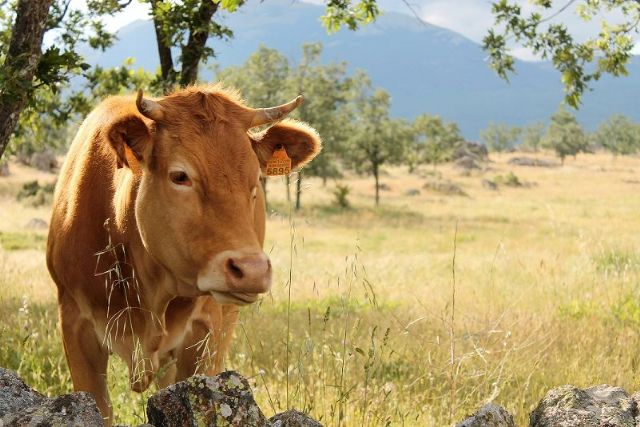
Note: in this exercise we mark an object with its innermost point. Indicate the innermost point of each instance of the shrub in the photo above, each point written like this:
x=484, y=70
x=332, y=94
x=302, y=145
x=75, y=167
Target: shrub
x=340, y=194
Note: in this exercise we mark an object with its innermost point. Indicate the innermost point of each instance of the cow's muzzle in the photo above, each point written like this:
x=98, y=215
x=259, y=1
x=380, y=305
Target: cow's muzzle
x=239, y=275
x=248, y=273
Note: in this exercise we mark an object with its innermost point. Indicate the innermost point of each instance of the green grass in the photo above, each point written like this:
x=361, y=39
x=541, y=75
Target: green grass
x=14, y=241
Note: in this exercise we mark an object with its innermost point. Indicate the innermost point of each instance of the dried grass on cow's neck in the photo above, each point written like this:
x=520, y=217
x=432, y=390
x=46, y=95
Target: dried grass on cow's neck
x=118, y=322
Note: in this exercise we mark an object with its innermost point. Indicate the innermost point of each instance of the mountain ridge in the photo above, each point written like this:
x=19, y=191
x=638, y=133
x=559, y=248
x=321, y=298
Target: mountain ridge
x=426, y=69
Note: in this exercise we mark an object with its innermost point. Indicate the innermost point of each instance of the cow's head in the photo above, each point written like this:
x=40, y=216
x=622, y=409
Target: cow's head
x=199, y=206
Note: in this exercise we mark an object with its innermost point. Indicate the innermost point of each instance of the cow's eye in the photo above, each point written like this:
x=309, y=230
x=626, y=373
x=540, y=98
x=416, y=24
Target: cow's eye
x=180, y=178
x=254, y=193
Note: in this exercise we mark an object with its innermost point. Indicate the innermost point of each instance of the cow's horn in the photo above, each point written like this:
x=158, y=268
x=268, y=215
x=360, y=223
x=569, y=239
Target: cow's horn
x=149, y=108
x=263, y=116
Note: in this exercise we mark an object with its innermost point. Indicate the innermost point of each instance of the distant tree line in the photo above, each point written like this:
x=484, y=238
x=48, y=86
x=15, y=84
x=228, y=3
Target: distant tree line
x=564, y=135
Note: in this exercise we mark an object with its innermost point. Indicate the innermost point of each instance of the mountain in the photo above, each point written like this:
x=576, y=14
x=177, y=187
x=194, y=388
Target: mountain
x=427, y=69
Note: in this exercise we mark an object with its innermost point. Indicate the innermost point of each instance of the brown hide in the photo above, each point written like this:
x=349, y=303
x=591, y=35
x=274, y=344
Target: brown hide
x=157, y=231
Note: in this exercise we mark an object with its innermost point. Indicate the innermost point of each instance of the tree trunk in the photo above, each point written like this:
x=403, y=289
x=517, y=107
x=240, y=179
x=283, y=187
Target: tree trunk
x=287, y=180
x=376, y=177
x=21, y=63
x=198, y=34
x=167, y=72
x=298, y=190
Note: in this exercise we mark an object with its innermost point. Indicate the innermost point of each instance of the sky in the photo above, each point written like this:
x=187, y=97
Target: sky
x=470, y=18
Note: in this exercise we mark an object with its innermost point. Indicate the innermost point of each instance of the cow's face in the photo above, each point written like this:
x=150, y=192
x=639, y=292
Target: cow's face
x=200, y=207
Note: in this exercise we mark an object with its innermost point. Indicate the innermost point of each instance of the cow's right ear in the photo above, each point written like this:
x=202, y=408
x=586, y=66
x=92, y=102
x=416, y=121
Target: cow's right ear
x=131, y=139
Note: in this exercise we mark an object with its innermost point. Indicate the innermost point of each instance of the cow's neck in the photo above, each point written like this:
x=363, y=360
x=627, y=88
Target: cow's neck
x=155, y=284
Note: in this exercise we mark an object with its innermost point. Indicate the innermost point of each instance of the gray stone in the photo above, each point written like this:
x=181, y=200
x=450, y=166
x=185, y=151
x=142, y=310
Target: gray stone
x=15, y=395
x=44, y=161
x=474, y=150
x=444, y=187
x=490, y=185
x=293, y=418
x=467, y=163
x=490, y=415
x=20, y=405
x=76, y=409
x=597, y=406
x=37, y=224
x=528, y=161
x=412, y=192
x=224, y=399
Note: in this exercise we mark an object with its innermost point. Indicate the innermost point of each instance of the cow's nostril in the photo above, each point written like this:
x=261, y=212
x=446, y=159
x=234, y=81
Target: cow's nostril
x=234, y=269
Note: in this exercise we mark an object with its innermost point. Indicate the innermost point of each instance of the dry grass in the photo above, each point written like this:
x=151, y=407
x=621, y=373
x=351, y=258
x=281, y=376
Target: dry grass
x=547, y=293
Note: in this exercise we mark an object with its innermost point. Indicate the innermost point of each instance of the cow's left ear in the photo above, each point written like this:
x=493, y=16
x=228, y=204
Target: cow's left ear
x=301, y=142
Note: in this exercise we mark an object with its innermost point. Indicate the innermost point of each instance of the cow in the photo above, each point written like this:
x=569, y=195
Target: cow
x=157, y=231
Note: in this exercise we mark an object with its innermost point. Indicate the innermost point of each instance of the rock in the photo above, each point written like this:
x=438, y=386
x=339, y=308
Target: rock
x=384, y=186
x=37, y=224
x=293, y=418
x=224, y=399
x=467, y=163
x=490, y=415
x=412, y=192
x=76, y=409
x=490, y=185
x=4, y=169
x=44, y=161
x=601, y=405
x=636, y=400
x=474, y=150
x=444, y=187
x=20, y=405
x=528, y=161
x=15, y=395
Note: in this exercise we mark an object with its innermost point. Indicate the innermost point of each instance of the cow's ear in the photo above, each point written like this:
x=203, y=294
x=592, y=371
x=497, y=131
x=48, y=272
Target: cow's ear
x=301, y=142
x=131, y=139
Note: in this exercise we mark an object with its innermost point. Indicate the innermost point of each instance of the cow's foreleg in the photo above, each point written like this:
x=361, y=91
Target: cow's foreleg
x=86, y=357
x=205, y=347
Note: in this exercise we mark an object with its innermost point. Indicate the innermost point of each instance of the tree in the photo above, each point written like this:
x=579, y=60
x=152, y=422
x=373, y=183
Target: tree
x=565, y=136
x=500, y=137
x=579, y=62
x=376, y=139
x=21, y=63
x=260, y=80
x=532, y=136
x=618, y=135
x=29, y=73
x=434, y=141
x=325, y=88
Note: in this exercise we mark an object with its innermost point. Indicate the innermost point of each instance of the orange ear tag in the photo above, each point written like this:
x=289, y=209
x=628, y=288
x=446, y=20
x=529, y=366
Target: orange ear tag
x=279, y=163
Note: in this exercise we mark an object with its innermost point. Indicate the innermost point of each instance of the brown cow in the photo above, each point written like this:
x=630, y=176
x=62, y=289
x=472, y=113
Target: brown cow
x=157, y=232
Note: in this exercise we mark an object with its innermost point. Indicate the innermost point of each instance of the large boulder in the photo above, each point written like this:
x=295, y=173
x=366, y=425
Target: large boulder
x=224, y=400
x=474, y=150
x=490, y=415
x=15, y=395
x=20, y=406
x=597, y=406
x=293, y=418
x=44, y=160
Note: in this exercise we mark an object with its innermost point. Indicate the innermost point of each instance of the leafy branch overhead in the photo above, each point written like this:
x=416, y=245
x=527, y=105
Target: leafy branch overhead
x=580, y=62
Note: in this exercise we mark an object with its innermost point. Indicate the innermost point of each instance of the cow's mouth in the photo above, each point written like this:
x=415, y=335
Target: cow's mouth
x=236, y=298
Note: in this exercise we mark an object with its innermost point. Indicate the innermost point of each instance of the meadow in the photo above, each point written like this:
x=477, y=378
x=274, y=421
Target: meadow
x=413, y=313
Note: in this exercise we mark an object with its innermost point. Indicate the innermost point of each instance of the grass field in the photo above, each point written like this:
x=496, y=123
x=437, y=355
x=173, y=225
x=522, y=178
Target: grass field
x=379, y=326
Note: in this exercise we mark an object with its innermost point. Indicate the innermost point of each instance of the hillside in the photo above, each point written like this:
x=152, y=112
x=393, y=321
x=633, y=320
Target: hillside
x=425, y=68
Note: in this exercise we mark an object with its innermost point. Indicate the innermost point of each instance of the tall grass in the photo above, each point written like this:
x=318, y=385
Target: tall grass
x=382, y=317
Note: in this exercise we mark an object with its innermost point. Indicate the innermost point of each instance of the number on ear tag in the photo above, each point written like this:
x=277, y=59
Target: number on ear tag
x=279, y=164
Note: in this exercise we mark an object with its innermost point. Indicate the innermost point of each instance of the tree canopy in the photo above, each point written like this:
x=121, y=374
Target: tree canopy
x=580, y=62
